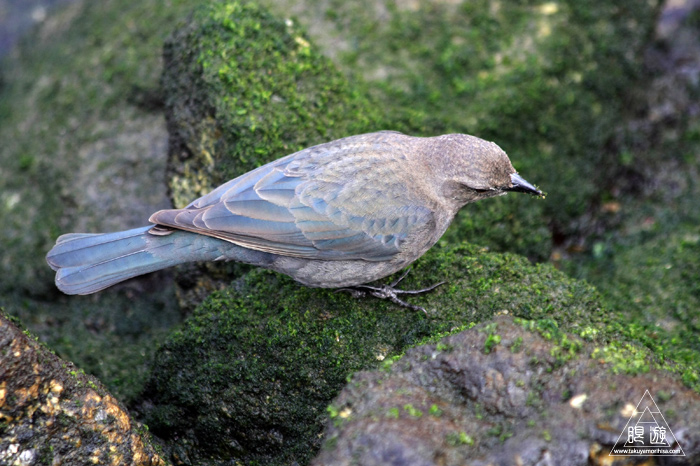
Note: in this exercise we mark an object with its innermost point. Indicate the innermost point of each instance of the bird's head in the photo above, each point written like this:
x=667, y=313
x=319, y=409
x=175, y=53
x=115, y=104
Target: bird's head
x=473, y=169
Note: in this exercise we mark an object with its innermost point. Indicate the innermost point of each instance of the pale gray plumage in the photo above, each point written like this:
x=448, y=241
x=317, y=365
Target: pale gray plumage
x=338, y=214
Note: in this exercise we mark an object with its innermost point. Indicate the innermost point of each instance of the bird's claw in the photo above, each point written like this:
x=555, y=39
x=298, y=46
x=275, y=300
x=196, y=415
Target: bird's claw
x=389, y=292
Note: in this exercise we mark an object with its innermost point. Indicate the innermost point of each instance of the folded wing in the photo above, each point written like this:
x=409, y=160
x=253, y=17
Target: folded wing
x=338, y=201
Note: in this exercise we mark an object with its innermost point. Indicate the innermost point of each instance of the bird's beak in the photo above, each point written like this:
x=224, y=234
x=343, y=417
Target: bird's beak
x=522, y=186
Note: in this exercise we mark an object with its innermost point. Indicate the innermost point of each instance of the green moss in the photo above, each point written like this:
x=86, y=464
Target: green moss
x=412, y=410
x=244, y=87
x=551, y=100
x=548, y=81
x=491, y=341
x=459, y=438
x=268, y=355
x=623, y=358
x=564, y=346
x=652, y=284
x=517, y=345
x=89, y=77
x=443, y=347
x=82, y=91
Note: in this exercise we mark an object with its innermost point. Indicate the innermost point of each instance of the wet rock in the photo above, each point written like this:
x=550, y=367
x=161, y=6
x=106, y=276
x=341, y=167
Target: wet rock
x=243, y=87
x=85, y=150
x=253, y=369
x=505, y=392
x=52, y=413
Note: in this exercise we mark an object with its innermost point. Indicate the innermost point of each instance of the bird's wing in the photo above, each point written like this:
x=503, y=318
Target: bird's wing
x=337, y=201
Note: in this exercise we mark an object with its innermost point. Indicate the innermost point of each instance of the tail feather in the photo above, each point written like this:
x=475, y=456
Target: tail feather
x=75, y=249
x=87, y=263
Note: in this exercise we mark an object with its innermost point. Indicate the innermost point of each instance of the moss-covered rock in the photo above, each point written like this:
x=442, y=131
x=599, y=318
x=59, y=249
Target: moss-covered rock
x=252, y=371
x=644, y=255
x=83, y=136
x=654, y=286
x=550, y=82
x=111, y=336
x=244, y=87
x=53, y=413
x=511, y=391
x=84, y=148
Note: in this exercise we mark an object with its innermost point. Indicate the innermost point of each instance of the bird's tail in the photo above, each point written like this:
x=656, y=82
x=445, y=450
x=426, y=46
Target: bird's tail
x=86, y=263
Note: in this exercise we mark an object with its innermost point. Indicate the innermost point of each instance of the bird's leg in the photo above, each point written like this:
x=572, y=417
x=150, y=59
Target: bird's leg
x=389, y=292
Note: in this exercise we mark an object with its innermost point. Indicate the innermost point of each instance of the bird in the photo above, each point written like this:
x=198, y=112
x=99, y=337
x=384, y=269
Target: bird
x=338, y=215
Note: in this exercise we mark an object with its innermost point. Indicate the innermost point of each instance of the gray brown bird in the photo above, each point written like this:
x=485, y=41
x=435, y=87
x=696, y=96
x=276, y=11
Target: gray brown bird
x=335, y=215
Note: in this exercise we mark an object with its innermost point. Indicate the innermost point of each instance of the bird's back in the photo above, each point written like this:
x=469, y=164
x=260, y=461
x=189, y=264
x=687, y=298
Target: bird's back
x=356, y=198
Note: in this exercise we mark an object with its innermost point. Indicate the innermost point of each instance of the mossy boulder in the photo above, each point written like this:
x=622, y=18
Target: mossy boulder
x=654, y=285
x=244, y=87
x=81, y=104
x=253, y=369
x=53, y=413
x=550, y=82
x=83, y=135
x=84, y=148
x=511, y=391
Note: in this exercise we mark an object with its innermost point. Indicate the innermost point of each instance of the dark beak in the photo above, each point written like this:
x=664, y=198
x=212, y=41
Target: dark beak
x=522, y=186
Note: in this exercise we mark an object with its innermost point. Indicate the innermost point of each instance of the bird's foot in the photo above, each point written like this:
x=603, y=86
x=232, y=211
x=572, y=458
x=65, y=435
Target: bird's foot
x=389, y=292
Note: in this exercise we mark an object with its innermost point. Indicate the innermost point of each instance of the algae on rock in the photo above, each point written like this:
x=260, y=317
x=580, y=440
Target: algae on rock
x=654, y=287
x=253, y=369
x=538, y=396
x=242, y=88
x=550, y=82
x=53, y=413
x=82, y=136
x=84, y=149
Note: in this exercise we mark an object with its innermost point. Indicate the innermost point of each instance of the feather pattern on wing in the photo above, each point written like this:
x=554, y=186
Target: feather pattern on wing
x=336, y=201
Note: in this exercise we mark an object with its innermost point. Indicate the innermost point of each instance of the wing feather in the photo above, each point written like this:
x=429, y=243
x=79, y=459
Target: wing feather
x=336, y=201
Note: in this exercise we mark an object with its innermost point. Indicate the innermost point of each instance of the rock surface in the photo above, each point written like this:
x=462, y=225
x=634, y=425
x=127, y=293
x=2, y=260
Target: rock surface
x=506, y=392
x=85, y=139
x=85, y=150
x=52, y=413
x=243, y=87
x=551, y=82
x=252, y=371
x=250, y=374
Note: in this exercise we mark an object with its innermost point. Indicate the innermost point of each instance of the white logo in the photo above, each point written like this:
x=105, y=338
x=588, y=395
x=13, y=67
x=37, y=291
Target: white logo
x=647, y=433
